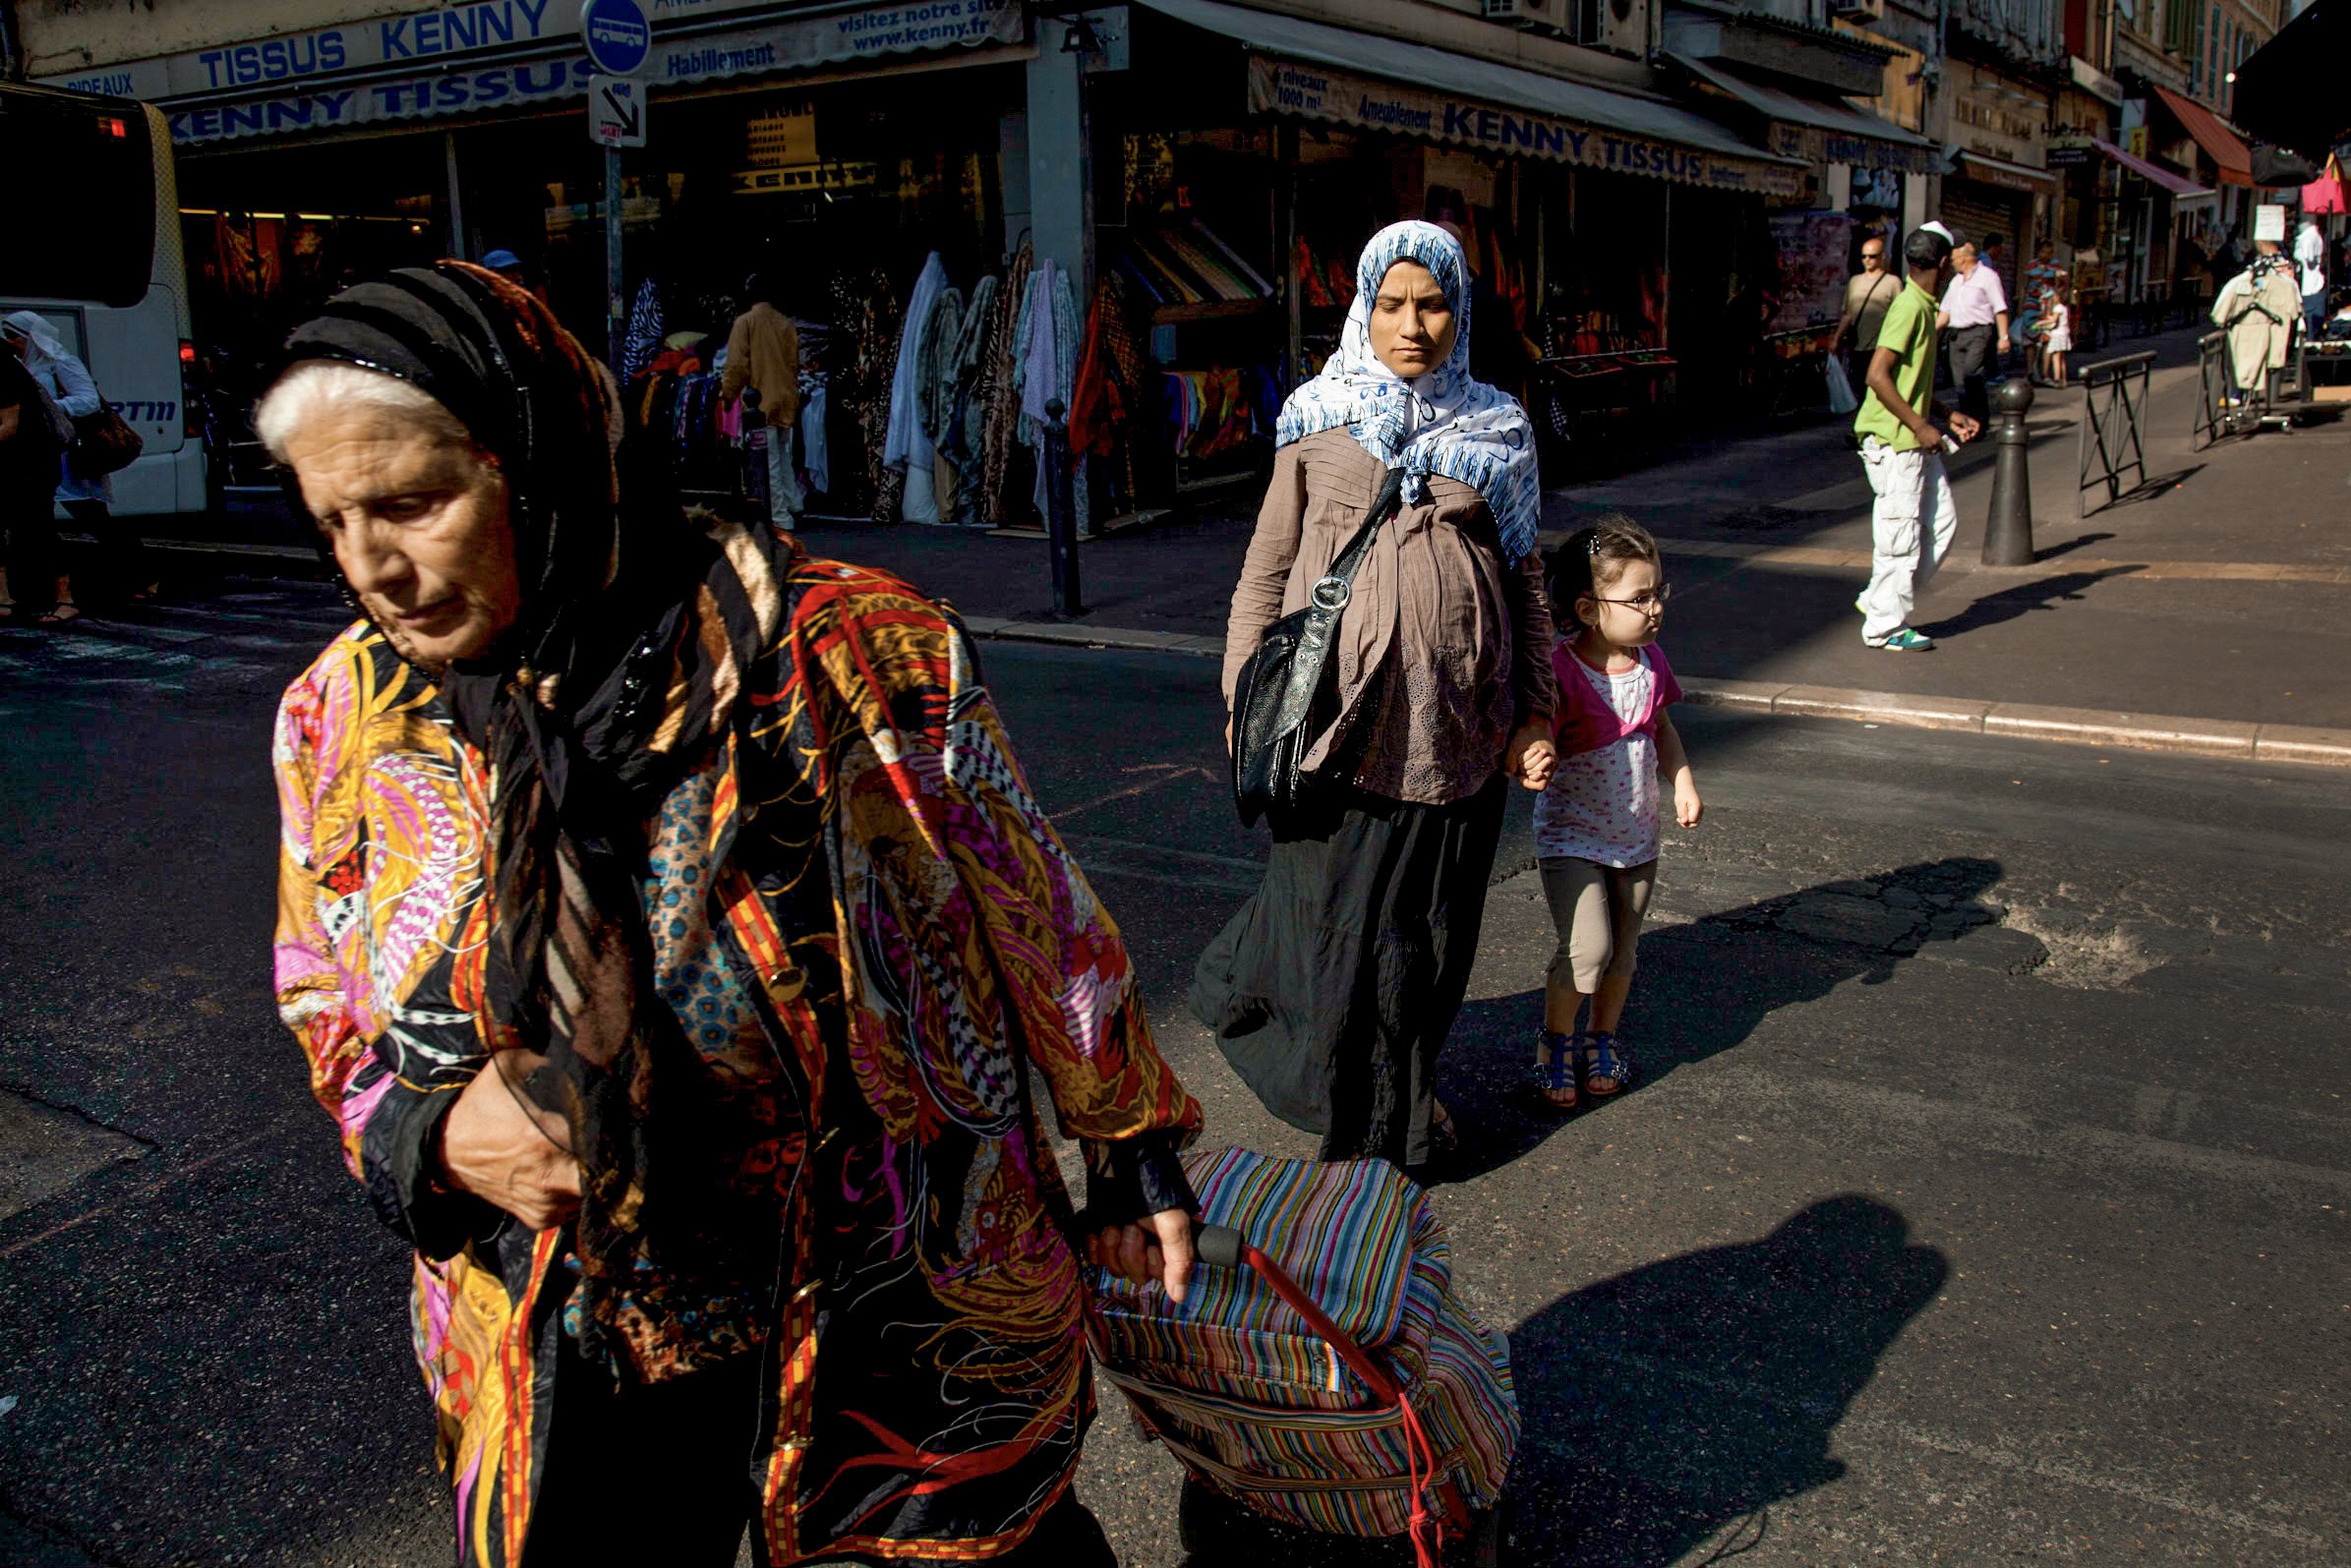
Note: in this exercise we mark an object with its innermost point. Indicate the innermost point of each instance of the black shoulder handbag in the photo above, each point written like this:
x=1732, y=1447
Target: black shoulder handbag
x=1283, y=697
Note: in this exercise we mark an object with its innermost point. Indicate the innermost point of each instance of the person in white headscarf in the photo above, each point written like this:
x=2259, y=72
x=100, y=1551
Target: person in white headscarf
x=62, y=374
x=1333, y=989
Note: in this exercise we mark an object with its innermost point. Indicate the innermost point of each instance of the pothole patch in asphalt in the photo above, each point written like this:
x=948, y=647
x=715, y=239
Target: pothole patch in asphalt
x=44, y=1150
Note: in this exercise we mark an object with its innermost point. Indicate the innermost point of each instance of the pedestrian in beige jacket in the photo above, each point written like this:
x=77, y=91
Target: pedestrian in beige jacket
x=763, y=352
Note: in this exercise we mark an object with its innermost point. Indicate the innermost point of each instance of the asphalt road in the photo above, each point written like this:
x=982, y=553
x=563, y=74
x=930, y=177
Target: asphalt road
x=1985, y=1198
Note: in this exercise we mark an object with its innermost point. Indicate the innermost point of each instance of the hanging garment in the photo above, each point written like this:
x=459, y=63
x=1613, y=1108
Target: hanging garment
x=1048, y=369
x=906, y=444
x=999, y=396
x=643, y=342
x=2259, y=308
x=815, y=449
x=958, y=424
x=935, y=378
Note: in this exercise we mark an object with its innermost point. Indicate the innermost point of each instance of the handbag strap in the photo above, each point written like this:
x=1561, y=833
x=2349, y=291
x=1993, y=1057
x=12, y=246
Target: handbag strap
x=1336, y=586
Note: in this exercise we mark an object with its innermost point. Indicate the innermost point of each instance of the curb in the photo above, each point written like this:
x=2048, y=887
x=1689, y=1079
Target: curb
x=2081, y=726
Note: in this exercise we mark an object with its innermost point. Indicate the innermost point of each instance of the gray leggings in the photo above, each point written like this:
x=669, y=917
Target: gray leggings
x=1598, y=911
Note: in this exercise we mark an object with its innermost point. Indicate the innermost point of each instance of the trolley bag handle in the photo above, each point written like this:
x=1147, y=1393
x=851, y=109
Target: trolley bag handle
x=1227, y=1248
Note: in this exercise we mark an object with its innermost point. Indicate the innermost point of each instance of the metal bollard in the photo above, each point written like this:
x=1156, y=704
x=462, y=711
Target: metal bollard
x=2008, y=532
x=1061, y=527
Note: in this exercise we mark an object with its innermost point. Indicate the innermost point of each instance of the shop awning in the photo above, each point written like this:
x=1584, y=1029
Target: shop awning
x=1825, y=130
x=2000, y=172
x=2154, y=174
x=1315, y=71
x=2290, y=89
x=2222, y=146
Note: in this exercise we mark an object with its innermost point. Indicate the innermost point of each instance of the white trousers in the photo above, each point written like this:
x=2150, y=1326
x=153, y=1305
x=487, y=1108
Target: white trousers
x=785, y=498
x=1909, y=485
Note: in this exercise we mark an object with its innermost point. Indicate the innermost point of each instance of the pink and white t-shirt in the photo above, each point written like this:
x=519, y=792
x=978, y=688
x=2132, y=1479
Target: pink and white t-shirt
x=1602, y=802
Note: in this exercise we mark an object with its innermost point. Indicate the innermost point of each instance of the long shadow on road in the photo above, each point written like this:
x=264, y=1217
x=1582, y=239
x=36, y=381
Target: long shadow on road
x=1705, y=987
x=1670, y=1408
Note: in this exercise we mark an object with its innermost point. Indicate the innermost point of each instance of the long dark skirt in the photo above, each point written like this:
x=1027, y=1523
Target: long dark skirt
x=1332, y=991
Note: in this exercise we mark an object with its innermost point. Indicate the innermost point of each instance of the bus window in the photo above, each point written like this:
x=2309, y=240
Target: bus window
x=81, y=200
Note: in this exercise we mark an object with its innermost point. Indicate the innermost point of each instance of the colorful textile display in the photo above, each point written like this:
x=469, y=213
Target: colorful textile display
x=1251, y=1399
x=1440, y=423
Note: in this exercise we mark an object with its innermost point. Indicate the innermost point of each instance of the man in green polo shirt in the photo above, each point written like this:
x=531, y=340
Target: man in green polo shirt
x=1901, y=451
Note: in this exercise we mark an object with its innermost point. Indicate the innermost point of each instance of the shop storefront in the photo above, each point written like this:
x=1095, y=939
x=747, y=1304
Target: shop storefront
x=777, y=142
x=1238, y=180
x=2001, y=183
x=1151, y=213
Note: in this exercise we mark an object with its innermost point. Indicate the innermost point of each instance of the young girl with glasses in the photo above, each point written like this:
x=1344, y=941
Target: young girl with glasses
x=1596, y=825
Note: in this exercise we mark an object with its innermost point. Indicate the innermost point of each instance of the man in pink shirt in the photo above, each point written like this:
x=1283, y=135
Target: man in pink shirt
x=1973, y=306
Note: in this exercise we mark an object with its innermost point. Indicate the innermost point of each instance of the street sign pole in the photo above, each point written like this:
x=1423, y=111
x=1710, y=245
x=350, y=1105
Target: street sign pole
x=618, y=42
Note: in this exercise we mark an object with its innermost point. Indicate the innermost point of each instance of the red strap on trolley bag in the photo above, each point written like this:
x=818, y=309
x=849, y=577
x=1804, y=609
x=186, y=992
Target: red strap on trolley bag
x=1227, y=1248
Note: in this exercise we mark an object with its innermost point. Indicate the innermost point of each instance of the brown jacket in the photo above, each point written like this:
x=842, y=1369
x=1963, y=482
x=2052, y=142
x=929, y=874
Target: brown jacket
x=764, y=349
x=1444, y=649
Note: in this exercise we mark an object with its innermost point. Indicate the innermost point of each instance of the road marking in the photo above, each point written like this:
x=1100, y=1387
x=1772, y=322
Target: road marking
x=150, y=1188
x=1167, y=772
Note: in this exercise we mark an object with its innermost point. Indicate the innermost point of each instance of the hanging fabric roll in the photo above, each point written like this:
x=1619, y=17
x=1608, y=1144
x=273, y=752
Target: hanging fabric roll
x=999, y=392
x=866, y=314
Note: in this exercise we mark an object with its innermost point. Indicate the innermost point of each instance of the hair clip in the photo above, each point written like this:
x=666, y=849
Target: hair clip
x=1592, y=545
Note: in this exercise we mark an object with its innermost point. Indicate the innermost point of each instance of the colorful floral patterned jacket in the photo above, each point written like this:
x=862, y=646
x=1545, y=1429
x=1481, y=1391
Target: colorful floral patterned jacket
x=870, y=930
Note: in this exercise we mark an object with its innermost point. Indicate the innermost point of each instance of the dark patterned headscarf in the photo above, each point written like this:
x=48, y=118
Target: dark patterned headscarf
x=564, y=710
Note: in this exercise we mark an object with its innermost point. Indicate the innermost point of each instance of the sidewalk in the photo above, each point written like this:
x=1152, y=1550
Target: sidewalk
x=2219, y=593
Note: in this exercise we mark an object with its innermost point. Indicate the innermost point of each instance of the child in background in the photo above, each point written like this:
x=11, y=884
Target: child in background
x=2058, y=331
x=1596, y=827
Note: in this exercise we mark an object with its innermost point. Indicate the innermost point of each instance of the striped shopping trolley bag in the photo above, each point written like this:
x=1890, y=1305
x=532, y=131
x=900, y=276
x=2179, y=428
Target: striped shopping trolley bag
x=1321, y=1371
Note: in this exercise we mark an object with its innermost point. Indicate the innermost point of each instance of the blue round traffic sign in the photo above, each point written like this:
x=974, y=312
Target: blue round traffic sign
x=618, y=35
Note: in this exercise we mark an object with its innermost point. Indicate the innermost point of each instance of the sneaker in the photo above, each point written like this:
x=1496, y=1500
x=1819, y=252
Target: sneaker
x=1904, y=641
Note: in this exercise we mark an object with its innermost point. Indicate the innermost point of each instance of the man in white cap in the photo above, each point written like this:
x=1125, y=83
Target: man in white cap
x=1902, y=451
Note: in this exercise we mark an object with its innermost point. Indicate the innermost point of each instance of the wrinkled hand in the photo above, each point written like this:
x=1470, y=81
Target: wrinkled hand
x=1688, y=807
x=508, y=1152
x=1532, y=755
x=1155, y=1249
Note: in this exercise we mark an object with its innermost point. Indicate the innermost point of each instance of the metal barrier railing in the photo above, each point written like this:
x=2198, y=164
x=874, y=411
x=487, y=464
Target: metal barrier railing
x=2114, y=395
x=2219, y=411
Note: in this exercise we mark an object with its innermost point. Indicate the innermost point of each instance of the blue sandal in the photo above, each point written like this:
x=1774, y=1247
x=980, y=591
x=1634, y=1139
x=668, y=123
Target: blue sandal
x=1555, y=1072
x=1606, y=1060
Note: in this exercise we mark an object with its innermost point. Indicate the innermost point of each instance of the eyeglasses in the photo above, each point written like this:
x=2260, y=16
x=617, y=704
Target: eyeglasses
x=1874, y=255
x=1648, y=603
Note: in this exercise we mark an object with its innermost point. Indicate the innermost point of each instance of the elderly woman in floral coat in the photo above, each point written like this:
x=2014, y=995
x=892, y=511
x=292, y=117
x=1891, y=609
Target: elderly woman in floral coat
x=672, y=935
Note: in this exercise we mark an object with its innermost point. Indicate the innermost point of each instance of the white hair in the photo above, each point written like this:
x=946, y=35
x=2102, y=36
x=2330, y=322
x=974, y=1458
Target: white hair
x=311, y=387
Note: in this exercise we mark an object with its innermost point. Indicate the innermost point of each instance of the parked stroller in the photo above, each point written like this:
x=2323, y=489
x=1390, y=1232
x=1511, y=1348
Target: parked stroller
x=1321, y=1371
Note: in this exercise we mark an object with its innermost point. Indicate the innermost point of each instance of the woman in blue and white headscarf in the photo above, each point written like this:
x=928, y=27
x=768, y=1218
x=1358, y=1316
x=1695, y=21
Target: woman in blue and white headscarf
x=1333, y=989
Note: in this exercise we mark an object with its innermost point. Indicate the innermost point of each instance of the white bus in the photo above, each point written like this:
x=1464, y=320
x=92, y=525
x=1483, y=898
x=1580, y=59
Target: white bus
x=93, y=245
